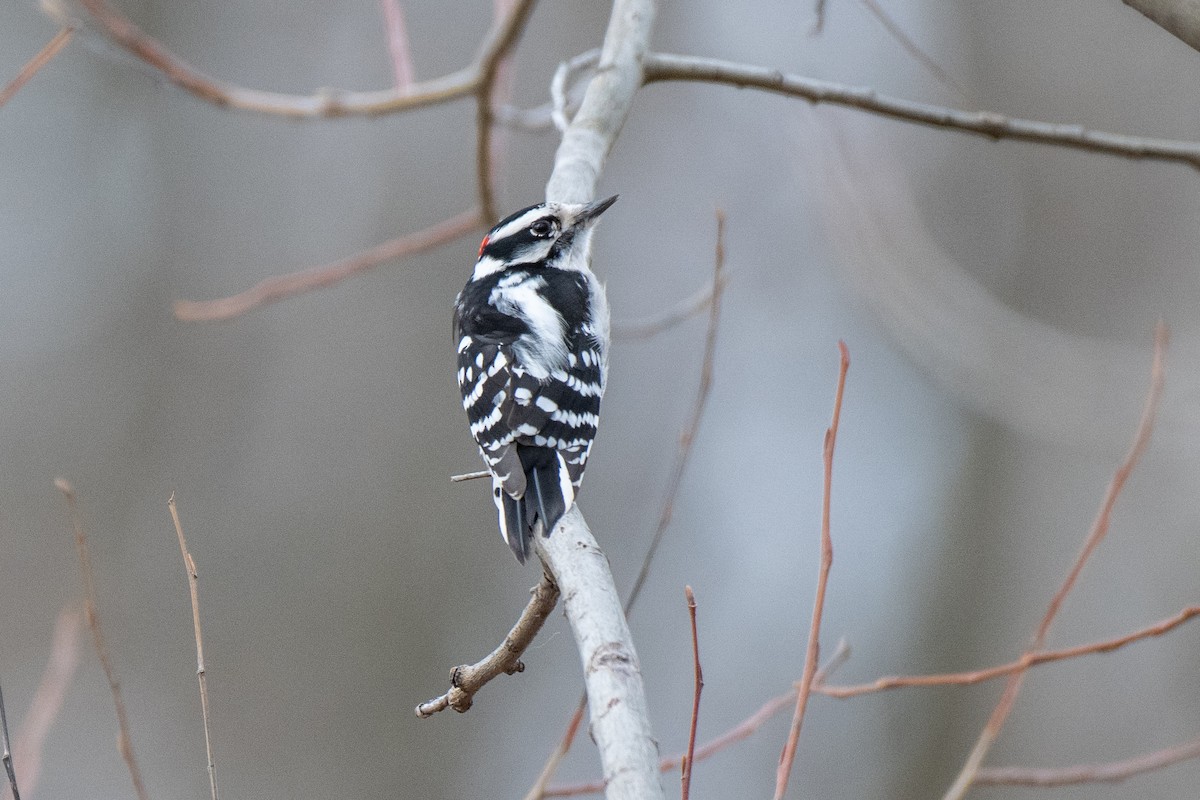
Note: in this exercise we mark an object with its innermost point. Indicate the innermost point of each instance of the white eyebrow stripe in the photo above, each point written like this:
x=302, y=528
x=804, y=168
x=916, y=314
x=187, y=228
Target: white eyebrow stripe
x=523, y=221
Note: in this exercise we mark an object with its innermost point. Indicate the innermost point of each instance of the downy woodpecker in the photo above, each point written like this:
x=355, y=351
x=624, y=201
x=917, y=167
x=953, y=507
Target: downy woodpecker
x=532, y=331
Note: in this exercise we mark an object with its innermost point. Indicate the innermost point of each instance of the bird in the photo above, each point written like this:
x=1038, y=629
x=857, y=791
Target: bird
x=532, y=332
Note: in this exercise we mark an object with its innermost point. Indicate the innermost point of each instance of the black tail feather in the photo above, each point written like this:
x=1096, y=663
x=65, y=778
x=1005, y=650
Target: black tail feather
x=546, y=491
x=516, y=527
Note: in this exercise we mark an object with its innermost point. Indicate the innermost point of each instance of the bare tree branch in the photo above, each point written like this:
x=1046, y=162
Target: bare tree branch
x=661, y=67
x=1106, y=772
x=1181, y=18
x=92, y=614
x=1099, y=529
x=687, y=439
x=467, y=680
x=321, y=104
x=43, y=57
x=912, y=48
x=814, y=632
x=620, y=722
x=193, y=579
x=698, y=686
x=281, y=287
x=399, y=49
x=1030, y=659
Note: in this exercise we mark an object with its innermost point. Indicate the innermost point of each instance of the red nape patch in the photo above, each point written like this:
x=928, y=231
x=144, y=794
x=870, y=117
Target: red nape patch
x=482, y=245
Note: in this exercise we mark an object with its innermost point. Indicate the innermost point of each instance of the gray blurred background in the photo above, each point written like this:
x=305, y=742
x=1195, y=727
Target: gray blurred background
x=998, y=300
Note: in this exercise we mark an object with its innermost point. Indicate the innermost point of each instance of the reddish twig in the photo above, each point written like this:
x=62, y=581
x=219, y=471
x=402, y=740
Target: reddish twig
x=688, y=437
x=540, y=786
x=193, y=578
x=1106, y=772
x=398, y=43
x=281, y=287
x=34, y=64
x=814, y=633
x=683, y=456
x=689, y=759
x=1029, y=659
x=92, y=615
x=48, y=699
x=1099, y=529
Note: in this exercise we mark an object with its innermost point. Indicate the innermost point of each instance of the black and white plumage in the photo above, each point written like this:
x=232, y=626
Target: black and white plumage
x=531, y=327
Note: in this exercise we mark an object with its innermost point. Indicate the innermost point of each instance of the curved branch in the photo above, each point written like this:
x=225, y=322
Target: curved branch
x=660, y=67
x=322, y=103
x=466, y=681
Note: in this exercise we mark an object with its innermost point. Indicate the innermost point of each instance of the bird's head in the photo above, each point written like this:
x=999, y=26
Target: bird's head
x=547, y=234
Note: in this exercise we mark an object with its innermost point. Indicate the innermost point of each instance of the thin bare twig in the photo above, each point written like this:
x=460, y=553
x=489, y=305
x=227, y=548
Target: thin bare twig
x=689, y=759
x=540, y=787
x=281, y=287
x=470, y=476
x=1030, y=659
x=468, y=679
x=6, y=751
x=1099, y=529
x=814, y=633
x=92, y=614
x=912, y=48
x=1105, y=772
x=688, y=437
x=399, y=49
x=688, y=308
x=48, y=699
x=818, y=25
x=193, y=579
x=665, y=67
x=52, y=48
x=743, y=730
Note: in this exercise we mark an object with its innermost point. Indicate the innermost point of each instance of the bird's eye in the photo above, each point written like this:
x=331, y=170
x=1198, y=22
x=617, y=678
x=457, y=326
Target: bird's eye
x=542, y=228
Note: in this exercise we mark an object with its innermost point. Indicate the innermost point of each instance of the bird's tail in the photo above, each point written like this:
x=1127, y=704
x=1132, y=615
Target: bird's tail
x=548, y=495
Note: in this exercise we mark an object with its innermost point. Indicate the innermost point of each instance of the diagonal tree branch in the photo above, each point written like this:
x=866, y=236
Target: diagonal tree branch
x=43, y=57
x=1181, y=18
x=991, y=731
x=281, y=287
x=467, y=680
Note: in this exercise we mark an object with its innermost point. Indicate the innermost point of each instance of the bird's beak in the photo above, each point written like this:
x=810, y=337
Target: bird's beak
x=590, y=212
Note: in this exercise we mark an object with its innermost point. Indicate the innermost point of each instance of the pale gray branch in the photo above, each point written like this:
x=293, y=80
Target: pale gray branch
x=620, y=721
x=667, y=67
